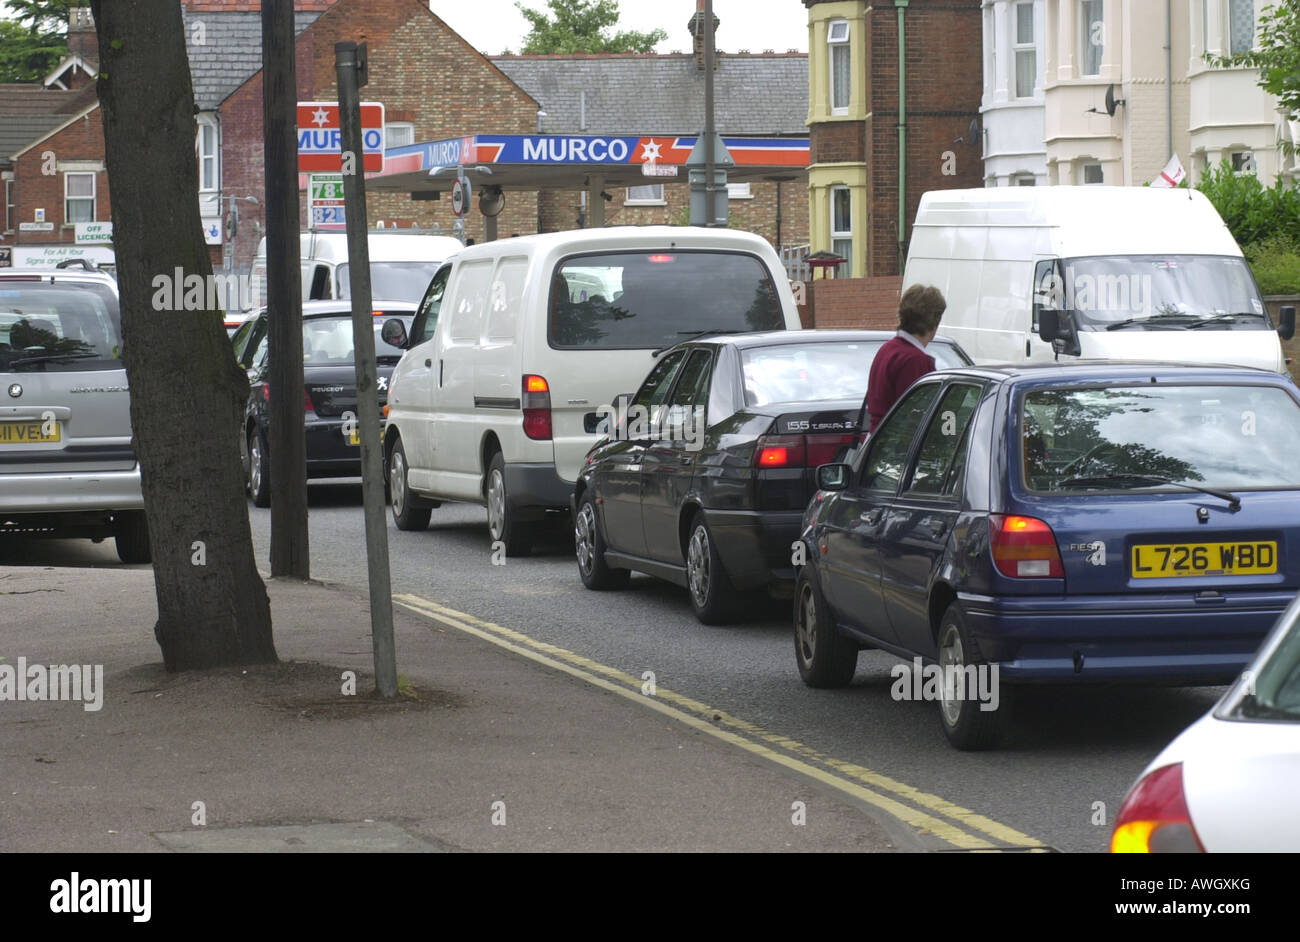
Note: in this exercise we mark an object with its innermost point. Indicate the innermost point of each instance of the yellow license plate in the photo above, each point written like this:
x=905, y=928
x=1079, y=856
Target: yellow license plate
x=353, y=437
x=1171, y=560
x=29, y=433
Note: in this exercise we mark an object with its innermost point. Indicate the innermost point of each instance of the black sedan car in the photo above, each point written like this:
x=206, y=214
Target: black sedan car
x=330, y=396
x=704, y=474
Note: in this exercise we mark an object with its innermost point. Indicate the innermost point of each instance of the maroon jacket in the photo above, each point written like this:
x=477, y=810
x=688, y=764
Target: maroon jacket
x=897, y=366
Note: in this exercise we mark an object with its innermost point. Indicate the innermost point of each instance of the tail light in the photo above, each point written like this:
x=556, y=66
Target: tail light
x=537, y=408
x=307, y=404
x=800, y=451
x=1154, y=817
x=1024, y=547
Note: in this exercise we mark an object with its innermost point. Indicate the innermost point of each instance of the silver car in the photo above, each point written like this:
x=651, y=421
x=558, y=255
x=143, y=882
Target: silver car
x=67, y=465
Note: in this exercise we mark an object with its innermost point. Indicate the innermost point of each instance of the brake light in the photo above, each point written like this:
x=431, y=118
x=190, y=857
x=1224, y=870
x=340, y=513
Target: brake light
x=537, y=408
x=1024, y=547
x=1154, y=817
x=307, y=404
x=779, y=451
x=661, y=259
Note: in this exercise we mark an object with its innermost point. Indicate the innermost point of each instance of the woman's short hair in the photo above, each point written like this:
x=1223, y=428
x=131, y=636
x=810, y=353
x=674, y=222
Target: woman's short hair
x=919, y=309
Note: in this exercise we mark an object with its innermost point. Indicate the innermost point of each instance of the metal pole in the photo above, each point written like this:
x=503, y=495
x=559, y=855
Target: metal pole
x=901, y=6
x=347, y=60
x=710, y=208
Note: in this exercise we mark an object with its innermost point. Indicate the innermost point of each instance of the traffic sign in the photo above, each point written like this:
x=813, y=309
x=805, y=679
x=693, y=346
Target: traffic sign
x=460, y=196
x=320, y=143
x=325, y=209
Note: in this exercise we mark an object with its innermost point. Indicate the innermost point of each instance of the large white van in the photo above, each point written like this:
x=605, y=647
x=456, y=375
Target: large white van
x=1123, y=273
x=518, y=344
x=401, y=263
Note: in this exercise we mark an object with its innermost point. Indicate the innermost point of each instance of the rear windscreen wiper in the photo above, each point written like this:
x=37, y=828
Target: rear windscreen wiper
x=1148, y=480
x=1169, y=320
x=50, y=357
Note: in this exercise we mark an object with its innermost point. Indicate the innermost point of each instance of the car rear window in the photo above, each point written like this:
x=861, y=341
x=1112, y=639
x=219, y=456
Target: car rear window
x=55, y=327
x=396, y=281
x=819, y=370
x=1232, y=437
x=648, y=300
x=327, y=341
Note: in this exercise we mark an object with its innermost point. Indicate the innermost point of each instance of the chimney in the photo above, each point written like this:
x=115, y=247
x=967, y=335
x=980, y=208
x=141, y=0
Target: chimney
x=81, y=33
x=697, y=33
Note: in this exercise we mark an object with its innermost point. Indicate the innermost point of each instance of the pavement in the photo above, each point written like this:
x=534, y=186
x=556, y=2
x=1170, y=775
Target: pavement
x=495, y=749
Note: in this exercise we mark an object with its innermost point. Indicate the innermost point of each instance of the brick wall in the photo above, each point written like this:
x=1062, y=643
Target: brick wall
x=250, y=6
x=83, y=140
x=560, y=208
x=870, y=303
x=423, y=72
x=836, y=142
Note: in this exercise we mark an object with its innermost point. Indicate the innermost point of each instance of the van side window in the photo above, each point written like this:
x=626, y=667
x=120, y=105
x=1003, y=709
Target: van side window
x=503, y=303
x=473, y=282
x=320, y=283
x=426, y=316
x=1048, y=288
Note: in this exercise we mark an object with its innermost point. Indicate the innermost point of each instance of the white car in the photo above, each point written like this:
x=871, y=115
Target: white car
x=1228, y=782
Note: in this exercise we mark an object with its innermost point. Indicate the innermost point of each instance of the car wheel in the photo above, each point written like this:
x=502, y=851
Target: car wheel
x=712, y=596
x=824, y=656
x=590, y=548
x=131, y=534
x=406, y=516
x=259, y=468
x=965, y=723
x=502, y=524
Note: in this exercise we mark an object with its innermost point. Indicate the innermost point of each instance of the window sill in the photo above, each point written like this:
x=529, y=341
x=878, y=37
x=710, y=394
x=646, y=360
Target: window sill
x=635, y=203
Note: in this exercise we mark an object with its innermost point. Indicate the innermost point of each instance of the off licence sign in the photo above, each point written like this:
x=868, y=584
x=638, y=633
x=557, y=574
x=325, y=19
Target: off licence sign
x=320, y=141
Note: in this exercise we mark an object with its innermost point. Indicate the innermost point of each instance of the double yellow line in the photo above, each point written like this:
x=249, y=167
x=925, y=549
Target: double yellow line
x=928, y=814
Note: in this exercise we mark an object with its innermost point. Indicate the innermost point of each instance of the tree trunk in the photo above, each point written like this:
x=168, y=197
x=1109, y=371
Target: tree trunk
x=187, y=392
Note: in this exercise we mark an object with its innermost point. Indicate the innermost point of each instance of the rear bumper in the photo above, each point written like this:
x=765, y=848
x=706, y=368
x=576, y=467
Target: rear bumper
x=71, y=493
x=1163, y=639
x=755, y=546
x=537, y=487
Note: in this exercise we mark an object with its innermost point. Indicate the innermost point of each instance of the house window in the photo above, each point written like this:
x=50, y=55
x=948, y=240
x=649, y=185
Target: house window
x=1241, y=25
x=1243, y=161
x=1024, y=179
x=842, y=229
x=1026, y=56
x=209, y=164
x=1090, y=174
x=739, y=191
x=78, y=197
x=1093, y=37
x=652, y=195
x=399, y=134
x=837, y=38
x=11, y=211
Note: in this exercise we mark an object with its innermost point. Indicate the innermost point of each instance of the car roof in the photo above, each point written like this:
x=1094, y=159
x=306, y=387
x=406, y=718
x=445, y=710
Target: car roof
x=769, y=338
x=1124, y=372
x=344, y=306
x=58, y=274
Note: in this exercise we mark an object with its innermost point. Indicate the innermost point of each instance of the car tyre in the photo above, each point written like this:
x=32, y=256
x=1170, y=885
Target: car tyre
x=405, y=514
x=589, y=545
x=131, y=535
x=967, y=726
x=504, y=526
x=712, y=596
x=825, y=657
x=259, y=468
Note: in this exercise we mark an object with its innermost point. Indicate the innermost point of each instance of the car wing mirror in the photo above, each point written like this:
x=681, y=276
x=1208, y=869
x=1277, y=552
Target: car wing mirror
x=1049, y=324
x=394, y=333
x=833, y=477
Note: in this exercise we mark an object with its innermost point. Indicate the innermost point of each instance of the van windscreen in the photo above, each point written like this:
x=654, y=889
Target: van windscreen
x=648, y=300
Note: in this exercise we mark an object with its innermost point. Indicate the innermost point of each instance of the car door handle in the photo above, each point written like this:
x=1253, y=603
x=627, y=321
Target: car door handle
x=428, y=363
x=687, y=459
x=870, y=517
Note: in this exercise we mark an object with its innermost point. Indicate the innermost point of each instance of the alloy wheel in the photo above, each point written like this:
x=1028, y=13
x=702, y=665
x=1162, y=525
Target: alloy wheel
x=496, y=504
x=806, y=627
x=697, y=566
x=397, y=481
x=952, y=659
x=584, y=538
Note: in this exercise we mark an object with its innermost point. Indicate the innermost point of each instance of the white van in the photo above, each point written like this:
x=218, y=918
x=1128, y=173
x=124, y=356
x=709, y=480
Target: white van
x=1098, y=272
x=519, y=343
x=401, y=263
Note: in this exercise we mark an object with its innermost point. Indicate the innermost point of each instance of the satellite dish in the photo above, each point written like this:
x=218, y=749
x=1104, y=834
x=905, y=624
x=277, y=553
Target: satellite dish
x=1111, y=102
x=491, y=201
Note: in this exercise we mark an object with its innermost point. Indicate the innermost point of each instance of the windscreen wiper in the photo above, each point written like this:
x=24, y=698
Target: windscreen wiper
x=1253, y=707
x=1171, y=320
x=1225, y=318
x=50, y=357
x=1148, y=480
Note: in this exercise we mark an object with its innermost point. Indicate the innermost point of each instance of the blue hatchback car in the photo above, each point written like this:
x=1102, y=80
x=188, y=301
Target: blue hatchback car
x=1091, y=522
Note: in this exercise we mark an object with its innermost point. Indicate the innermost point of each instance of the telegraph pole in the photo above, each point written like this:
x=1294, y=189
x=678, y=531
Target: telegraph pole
x=288, y=445
x=351, y=63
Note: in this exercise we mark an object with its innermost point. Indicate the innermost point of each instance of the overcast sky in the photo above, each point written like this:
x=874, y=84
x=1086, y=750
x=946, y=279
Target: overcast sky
x=493, y=25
